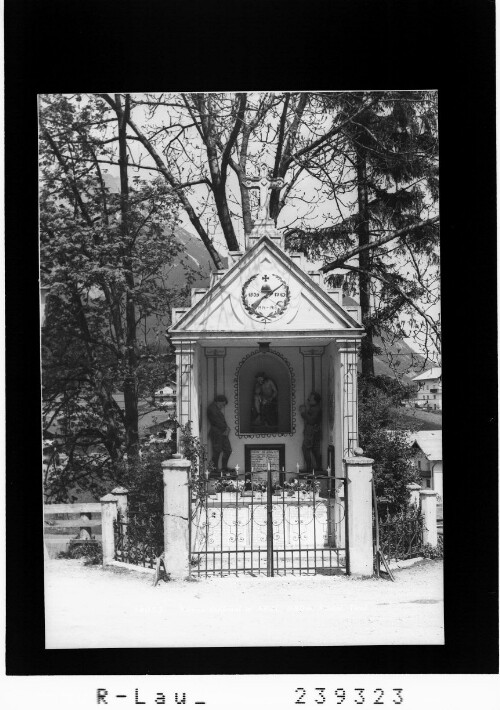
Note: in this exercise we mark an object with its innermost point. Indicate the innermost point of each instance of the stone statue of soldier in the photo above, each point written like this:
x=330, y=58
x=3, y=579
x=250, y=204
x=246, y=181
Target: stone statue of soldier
x=219, y=433
x=311, y=446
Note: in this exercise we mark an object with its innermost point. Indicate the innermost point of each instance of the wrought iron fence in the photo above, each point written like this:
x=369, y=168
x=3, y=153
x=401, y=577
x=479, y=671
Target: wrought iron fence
x=276, y=523
x=401, y=534
x=139, y=533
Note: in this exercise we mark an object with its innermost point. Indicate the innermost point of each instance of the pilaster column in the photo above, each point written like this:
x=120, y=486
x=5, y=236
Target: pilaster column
x=414, y=489
x=428, y=503
x=348, y=351
x=312, y=371
x=216, y=375
x=186, y=360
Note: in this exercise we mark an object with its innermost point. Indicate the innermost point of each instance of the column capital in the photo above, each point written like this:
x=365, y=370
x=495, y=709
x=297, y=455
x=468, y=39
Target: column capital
x=177, y=462
x=184, y=342
x=358, y=461
x=109, y=498
x=313, y=351
x=428, y=492
x=348, y=344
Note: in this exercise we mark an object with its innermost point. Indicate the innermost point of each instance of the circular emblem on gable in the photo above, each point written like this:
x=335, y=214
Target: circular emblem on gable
x=265, y=297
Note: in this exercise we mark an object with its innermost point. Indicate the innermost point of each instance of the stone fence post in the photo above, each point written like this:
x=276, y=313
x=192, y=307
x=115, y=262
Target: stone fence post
x=359, y=520
x=414, y=489
x=121, y=494
x=176, y=504
x=428, y=503
x=109, y=513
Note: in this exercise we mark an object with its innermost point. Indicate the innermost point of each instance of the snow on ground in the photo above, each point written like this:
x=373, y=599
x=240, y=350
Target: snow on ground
x=93, y=607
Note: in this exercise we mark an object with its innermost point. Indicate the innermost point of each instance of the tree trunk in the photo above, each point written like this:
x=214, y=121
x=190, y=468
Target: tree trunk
x=129, y=382
x=367, y=367
x=218, y=176
x=246, y=209
x=225, y=217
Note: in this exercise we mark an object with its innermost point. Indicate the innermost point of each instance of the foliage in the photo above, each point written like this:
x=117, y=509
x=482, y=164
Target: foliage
x=91, y=551
x=103, y=255
x=361, y=193
x=384, y=438
x=289, y=488
x=227, y=485
x=390, y=163
x=143, y=477
x=432, y=552
x=195, y=452
x=296, y=486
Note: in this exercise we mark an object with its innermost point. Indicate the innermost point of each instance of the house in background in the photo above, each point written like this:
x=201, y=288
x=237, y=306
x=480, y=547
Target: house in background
x=429, y=459
x=166, y=396
x=429, y=389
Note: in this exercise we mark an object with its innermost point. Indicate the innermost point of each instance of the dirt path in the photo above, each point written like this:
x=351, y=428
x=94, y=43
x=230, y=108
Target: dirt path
x=90, y=607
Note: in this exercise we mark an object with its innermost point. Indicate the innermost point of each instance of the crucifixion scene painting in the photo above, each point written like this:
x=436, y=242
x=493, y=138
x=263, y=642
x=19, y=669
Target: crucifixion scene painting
x=241, y=362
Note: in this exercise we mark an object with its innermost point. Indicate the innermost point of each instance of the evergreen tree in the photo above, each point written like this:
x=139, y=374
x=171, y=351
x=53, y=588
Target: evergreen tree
x=392, y=149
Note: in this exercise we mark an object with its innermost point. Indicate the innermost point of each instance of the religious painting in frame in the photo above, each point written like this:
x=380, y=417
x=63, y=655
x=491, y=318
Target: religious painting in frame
x=264, y=395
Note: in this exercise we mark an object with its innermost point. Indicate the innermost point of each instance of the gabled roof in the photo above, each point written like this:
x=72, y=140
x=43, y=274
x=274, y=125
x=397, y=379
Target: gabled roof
x=430, y=443
x=220, y=309
x=433, y=374
x=164, y=391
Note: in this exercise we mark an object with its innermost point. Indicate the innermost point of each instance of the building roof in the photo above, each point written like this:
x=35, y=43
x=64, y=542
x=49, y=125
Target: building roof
x=164, y=390
x=152, y=419
x=433, y=374
x=349, y=301
x=430, y=443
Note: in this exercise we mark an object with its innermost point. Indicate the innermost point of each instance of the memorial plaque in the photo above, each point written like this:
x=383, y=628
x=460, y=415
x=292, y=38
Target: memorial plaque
x=259, y=458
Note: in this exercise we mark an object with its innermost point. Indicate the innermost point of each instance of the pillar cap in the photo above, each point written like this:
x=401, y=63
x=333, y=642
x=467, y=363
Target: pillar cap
x=176, y=462
x=358, y=461
x=119, y=491
x=413, y=487
x=428, y=492
x=109, y=498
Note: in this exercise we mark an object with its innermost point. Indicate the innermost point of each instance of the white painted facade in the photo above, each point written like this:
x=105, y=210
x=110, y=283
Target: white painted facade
x=429, y=389
x=429, y=460
x=312, y=345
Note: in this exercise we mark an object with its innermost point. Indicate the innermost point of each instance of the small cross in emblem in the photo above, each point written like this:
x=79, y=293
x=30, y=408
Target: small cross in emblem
x=265, y=277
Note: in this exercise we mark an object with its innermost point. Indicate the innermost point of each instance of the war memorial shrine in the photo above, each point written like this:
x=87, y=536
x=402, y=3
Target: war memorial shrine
x=267, y=379
x=266, y=367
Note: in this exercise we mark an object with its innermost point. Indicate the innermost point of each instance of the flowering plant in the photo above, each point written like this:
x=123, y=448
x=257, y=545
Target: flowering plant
x=228, y=485
x=296, y=486
x=256, y=486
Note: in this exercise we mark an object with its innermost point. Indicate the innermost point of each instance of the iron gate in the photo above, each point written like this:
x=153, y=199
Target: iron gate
x=242, y=524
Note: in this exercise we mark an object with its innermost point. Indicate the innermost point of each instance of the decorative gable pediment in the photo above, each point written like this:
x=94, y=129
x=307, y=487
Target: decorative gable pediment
x=265, y=291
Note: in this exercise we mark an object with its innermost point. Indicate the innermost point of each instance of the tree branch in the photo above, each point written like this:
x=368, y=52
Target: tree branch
x=234, y=134
x=195, y=221
x=400, y=292
x=340, y=261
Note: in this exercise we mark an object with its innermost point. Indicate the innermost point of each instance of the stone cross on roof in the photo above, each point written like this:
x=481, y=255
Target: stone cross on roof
x=264, y=184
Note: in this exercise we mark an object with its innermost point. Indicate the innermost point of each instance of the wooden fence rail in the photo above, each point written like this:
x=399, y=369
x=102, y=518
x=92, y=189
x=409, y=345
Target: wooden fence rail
x=56, y=531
